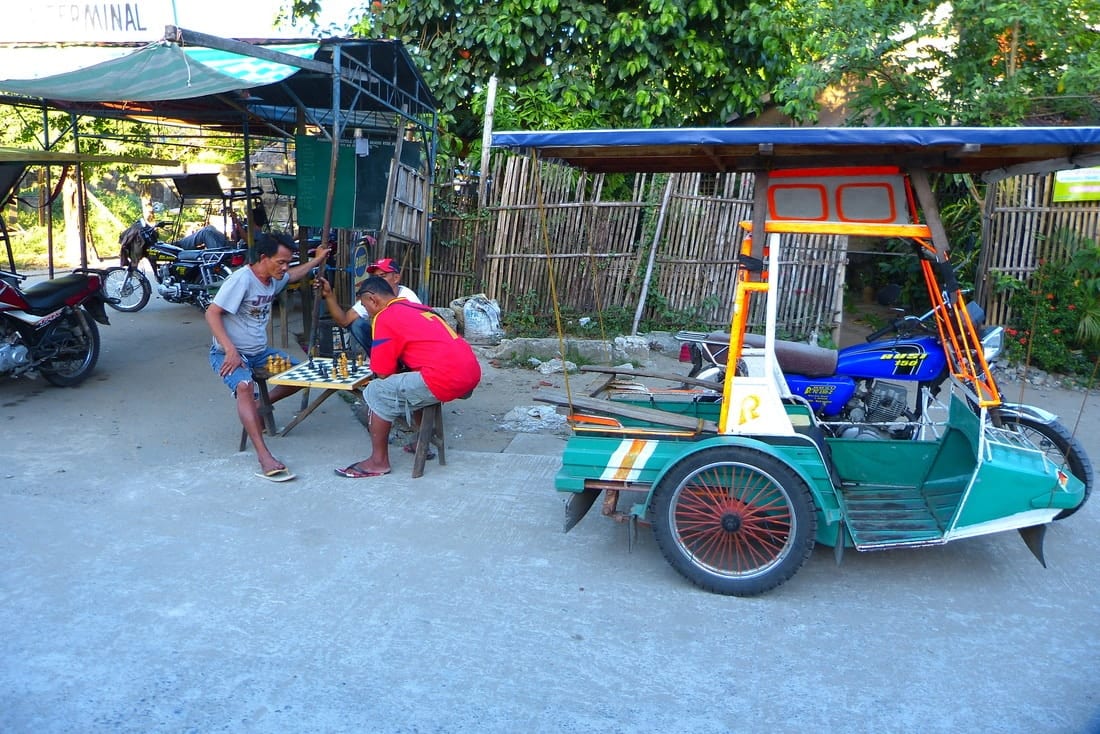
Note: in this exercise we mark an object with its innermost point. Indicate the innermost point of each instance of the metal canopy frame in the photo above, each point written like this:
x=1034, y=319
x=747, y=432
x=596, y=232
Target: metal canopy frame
x=993, y=153
x=358, y=83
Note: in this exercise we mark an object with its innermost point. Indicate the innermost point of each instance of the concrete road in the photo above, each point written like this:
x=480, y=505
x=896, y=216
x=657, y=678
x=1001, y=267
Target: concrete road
x=151, y=584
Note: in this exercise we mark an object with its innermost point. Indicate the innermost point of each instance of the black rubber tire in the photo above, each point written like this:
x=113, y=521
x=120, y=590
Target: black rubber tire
x=1061, y=448
x=79, y=352
x=734, y=521
x=131, y=287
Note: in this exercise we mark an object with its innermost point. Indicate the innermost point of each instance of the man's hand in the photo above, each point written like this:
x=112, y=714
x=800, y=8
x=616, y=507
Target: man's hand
x=232, y=361
x=319, y=283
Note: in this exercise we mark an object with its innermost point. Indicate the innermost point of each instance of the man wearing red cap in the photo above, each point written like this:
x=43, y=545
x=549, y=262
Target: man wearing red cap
x=356, y=319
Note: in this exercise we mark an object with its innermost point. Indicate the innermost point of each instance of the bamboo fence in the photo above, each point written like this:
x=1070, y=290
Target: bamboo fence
x=593, y=235
x=1025, y=228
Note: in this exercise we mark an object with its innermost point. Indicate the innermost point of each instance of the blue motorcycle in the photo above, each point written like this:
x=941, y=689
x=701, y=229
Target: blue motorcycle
x=887, y=388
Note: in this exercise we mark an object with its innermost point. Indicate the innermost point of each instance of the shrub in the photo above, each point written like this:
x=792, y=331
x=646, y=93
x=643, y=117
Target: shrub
x=1056, y=318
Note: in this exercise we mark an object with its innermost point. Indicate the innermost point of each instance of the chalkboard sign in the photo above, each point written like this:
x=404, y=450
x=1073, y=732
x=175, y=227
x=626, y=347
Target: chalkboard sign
x=361, y=180
x=313, y=159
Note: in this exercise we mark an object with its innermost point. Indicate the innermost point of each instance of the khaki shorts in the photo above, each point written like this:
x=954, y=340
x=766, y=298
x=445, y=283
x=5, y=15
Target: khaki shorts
x=398, y=394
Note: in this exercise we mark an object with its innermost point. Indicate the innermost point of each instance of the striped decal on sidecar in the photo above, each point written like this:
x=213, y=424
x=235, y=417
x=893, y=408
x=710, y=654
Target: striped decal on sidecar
x=628, y=460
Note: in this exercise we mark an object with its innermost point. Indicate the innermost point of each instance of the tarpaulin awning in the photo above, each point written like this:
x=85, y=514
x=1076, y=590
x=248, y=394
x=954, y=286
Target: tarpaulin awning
x=159, y=71
x=216, y=83
x=993, y=152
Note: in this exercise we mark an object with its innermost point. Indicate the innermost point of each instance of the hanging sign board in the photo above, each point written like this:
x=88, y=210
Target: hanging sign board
x=51, y=21
x=1082, y=184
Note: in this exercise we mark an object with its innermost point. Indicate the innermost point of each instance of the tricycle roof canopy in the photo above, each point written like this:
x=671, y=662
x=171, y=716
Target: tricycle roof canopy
x=993, y=152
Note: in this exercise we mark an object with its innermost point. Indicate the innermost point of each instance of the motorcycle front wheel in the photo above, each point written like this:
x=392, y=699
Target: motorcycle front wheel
x=1063, y=450
x=77, y=349
x=130, y=288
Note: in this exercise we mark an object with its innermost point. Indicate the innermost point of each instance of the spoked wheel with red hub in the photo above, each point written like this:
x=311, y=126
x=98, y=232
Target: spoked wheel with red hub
x=734, y=521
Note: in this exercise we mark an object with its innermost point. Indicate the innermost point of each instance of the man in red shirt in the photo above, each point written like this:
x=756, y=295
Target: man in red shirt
x=419, y=361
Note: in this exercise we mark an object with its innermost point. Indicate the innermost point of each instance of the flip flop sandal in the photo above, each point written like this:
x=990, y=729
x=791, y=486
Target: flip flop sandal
x=354, y=472
x=276, y=475
x=410, y=448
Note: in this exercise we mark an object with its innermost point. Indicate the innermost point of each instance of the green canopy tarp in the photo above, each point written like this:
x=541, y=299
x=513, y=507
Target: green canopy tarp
x=159, y=71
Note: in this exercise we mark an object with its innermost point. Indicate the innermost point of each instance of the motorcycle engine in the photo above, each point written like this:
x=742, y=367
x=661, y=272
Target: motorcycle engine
x=886, y=402
x=881, y=402
x=169, y=288
x=14, y=356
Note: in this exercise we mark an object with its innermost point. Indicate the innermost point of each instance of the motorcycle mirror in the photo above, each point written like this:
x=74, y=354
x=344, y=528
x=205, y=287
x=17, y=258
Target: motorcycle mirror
x=888, y=294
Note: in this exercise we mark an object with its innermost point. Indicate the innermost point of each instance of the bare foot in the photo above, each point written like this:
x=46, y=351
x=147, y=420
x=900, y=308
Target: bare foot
x=270, y=463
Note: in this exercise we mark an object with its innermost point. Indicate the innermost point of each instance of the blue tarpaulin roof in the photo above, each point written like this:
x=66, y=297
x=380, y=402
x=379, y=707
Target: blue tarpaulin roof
x=992, y=152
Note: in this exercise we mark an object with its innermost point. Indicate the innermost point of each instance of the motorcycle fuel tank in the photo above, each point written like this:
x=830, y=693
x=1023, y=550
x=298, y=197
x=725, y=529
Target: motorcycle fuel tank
x=827, y=395
x=910, y=360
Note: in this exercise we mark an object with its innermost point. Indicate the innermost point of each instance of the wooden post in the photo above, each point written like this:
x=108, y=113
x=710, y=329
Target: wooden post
x=652, y=256
x=486, y=140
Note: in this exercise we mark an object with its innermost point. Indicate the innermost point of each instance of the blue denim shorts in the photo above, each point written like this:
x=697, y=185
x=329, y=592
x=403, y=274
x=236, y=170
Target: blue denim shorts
x=243, y=373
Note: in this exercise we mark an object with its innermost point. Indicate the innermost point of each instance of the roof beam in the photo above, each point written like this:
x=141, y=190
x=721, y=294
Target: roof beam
x=182, y=36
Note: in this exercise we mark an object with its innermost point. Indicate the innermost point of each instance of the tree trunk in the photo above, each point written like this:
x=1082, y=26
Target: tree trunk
x=71, y=206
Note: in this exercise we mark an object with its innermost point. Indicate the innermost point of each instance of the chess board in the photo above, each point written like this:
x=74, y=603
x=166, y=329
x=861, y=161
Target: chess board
x=303, y=375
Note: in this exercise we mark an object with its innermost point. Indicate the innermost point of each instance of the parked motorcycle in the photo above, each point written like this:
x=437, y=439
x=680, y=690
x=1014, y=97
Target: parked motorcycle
x=184, y=274
x=50, y=327
x=864, y=391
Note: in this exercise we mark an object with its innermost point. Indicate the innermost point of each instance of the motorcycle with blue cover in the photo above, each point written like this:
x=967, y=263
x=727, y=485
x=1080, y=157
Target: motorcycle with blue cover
x=187, y=271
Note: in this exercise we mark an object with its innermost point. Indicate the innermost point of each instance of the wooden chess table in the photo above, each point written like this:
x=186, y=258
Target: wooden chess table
x=320, y=373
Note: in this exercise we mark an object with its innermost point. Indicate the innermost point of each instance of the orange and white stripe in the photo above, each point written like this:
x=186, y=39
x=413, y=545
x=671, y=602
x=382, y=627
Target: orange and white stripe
x=628, y=460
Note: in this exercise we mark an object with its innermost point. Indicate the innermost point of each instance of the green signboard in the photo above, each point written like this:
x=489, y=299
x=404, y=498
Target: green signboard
x=362, y=173
x=313, y=161
x=1082, y=184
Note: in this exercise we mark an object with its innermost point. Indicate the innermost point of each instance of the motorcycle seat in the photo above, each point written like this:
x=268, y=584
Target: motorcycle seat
x=795, y=358
x=190, y=255
x=49, y=294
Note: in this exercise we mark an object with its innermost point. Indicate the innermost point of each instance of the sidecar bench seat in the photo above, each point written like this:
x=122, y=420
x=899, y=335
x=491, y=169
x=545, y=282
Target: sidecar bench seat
x=267, y=411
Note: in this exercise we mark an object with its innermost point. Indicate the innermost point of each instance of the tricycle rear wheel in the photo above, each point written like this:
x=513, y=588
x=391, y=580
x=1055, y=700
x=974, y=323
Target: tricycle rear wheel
x=734, y=521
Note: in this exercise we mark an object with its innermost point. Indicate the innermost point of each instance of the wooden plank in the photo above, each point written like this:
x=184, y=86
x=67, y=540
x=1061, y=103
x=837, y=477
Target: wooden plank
x=649, y=415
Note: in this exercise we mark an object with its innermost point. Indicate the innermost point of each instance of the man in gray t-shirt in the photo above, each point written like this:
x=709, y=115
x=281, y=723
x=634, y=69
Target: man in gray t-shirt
x=238, y=319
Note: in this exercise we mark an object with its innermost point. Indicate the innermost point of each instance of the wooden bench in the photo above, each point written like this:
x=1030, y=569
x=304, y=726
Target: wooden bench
x=609, y=407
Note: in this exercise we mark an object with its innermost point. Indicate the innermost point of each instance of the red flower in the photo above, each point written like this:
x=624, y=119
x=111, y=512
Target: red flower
x=1011, y=332
x=1050, y=296
x=1071, y=307
x=1023, y=341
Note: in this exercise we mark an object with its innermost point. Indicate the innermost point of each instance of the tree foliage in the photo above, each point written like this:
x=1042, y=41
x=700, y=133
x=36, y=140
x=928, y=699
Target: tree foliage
x=661, y=63
x=968, y=62
x=709, y=62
